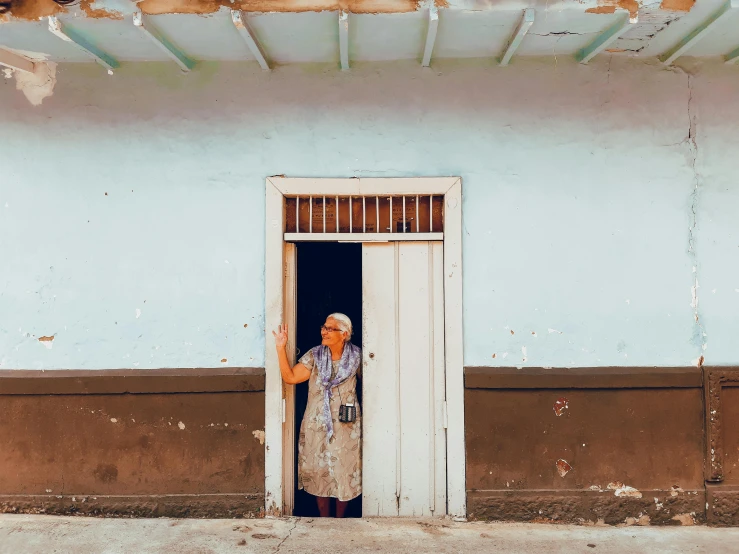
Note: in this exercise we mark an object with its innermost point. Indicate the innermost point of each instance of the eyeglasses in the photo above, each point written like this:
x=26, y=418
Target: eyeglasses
x=329, y=329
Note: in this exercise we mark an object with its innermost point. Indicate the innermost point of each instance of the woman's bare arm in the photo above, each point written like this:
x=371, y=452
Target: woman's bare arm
x=291, y=375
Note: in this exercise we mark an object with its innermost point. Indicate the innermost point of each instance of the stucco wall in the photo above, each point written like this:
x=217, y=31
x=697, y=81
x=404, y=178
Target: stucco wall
x=132, y=219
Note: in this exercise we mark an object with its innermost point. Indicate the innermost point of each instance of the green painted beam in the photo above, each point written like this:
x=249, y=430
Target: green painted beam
x=698, y=33
x=602, y=41
x=70, y=35
x=732, y=57
x=142, y=22
x=527, y=20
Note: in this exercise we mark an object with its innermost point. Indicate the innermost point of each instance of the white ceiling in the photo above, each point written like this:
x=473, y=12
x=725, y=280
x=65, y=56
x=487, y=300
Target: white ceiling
x=467, y=29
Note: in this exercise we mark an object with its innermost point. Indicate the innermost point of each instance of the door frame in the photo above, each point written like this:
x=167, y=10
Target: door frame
x=279, y=410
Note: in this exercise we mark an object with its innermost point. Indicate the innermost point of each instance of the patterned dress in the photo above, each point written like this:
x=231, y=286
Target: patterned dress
x=332, y=469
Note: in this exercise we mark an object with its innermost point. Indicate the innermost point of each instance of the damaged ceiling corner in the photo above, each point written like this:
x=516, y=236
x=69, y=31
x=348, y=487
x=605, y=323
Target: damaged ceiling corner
x=33, y=10
x=610, y=6
x=677, y=5
x=94, y=10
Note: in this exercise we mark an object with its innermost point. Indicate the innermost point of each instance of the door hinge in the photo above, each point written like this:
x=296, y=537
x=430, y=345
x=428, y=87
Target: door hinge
x=444, y=416
x=283, y=410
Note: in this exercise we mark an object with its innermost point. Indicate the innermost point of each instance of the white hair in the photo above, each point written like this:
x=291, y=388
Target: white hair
x=345, y=324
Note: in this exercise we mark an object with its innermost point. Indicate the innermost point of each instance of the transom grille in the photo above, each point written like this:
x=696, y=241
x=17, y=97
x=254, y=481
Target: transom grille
x=396, y=215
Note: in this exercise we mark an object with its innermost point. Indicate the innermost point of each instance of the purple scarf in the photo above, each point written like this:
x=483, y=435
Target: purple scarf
x=348, y=365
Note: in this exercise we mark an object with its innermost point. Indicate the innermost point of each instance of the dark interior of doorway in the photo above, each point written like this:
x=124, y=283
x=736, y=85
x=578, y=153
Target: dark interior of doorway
x=329, y=280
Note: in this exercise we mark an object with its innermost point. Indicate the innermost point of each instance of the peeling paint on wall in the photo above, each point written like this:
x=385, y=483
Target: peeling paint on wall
x=677, y=5
x=48, y=342
x=563, y=468
x=640, y=519
x=155, y=7
x=37, y=85
x=602, y=9
x=675, y=490
x=685, y=519
x=35, y=9
x=560, y=406
x=609, y=6
x=95, y=11
x=623, y=490
x=259, y=435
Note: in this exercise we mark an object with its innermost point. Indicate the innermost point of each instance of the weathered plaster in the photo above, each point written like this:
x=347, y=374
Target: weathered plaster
x=576, y=180
x=94, y=10
x=38, y=85
x=677, y=5
x=34, y=9
x=300, y=31
x=609, y=6
x=209, y=6
x=716, y=236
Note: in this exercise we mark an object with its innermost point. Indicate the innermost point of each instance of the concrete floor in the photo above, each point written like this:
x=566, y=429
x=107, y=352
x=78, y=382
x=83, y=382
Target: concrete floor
x=28, y=534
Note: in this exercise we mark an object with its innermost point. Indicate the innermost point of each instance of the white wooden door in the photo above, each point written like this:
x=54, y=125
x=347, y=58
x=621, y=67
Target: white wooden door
x=404, y=437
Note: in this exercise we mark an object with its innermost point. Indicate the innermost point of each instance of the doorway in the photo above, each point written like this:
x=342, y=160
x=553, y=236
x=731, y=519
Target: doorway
x=329, y=279
x=301, y=210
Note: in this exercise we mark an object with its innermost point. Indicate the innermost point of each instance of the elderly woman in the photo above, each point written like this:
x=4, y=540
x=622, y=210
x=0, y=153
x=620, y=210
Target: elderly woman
x=329, y=449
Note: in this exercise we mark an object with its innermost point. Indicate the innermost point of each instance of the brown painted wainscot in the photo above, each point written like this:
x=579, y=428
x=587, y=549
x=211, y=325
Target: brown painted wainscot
x=162, y=442
x=615, y=445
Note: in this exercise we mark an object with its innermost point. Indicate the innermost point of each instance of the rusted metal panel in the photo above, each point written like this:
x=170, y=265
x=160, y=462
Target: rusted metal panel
x=143, y=381
x=133, y=446
x=582, y=377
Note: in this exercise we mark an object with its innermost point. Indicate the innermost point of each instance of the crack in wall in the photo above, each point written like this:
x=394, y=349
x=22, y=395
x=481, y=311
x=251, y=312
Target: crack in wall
x=699, y=332
x=558, y=34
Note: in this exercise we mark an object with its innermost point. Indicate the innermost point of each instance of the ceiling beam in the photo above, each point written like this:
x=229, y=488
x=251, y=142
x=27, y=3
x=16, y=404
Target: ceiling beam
x=344, y=39
x=58, y=28
x=430, y=36
x=143, y=23
x=607, y=37
x=239, y=21
x=698, y=33
x=15, y=62
x=732, y=57
x=527, y=20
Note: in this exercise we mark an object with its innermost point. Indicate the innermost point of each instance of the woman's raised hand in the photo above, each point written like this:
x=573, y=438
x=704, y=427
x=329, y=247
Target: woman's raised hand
x=280, y=336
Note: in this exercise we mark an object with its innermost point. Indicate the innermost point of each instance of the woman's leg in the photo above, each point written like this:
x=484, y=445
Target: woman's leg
x=341, y=507
x=324, y=506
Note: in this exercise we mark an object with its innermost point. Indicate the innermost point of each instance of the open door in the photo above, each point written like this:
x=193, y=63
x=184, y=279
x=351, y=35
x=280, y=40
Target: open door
x=288, y=391
x=404, y=427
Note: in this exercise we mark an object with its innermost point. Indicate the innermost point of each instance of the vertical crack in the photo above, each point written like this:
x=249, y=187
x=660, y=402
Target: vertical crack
x=699, y=332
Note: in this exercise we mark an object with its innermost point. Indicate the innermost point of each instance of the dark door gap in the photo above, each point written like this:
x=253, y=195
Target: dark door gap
x=329, y=279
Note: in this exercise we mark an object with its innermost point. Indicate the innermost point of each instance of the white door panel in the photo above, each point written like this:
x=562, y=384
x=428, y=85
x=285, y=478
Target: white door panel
x=404, y=445
x=379, y=382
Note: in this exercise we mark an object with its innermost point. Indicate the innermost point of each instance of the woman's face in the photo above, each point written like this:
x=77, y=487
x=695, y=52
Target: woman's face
x=331, y=335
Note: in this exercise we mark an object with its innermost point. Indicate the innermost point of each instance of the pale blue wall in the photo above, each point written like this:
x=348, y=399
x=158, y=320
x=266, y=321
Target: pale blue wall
x=577, y=205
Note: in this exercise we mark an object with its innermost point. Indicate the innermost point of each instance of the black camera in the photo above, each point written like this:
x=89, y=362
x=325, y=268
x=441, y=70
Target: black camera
x=347, y=413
